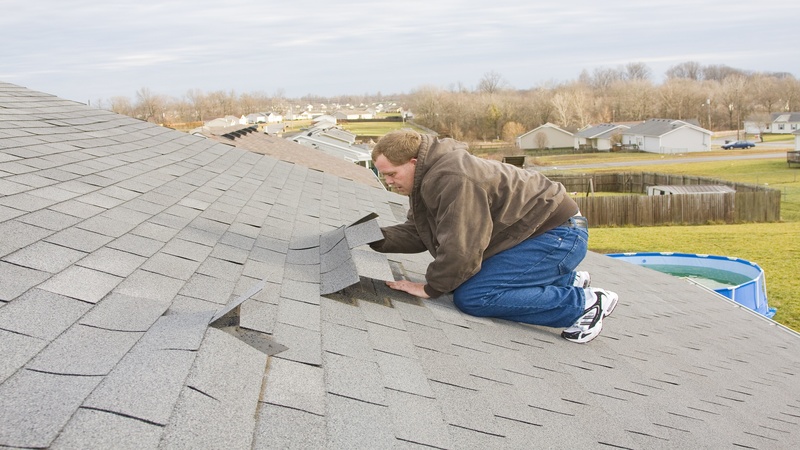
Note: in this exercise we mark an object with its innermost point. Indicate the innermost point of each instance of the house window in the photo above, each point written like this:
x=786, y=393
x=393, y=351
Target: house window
x=794, y=126
x=780, y=126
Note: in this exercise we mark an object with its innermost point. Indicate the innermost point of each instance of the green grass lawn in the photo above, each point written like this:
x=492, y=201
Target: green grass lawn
x=775, y=247
x=376, y=129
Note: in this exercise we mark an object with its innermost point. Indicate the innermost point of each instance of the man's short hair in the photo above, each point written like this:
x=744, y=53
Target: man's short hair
x=398, y=146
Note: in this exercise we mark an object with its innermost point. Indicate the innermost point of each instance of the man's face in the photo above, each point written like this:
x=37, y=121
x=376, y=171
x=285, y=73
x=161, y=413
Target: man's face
x=401, y=177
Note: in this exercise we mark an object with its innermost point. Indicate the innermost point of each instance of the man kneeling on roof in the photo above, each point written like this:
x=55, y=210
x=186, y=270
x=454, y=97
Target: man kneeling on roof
x=505, y=241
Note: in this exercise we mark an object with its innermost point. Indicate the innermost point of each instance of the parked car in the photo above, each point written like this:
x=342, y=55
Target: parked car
x=738, y=144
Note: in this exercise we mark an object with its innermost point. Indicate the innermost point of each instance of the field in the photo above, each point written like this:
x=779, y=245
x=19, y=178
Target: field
x=775, y=247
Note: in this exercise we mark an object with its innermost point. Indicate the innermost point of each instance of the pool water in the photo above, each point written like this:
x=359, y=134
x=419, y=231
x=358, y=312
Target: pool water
x=707, y=276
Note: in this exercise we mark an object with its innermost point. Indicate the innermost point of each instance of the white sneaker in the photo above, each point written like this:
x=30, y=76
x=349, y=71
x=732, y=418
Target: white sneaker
x=582, y=279
x=590, y=323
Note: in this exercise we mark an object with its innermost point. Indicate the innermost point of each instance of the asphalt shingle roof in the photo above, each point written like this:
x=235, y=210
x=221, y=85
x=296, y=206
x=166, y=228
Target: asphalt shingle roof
x=123, y=241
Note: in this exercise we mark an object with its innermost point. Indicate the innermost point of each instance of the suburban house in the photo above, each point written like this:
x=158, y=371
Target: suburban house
x=667, y=136
x=352, y=114
x=160, y=290
x=783, y=123
x=599, y=137
x=263, y=117
x=547, y=136
x=222, y=122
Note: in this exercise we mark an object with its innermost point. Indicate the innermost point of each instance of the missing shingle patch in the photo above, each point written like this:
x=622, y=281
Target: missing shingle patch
x=228, y=318
x=375, y=291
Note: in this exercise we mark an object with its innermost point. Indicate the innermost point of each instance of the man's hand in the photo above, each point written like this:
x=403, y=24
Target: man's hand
x=415, y=289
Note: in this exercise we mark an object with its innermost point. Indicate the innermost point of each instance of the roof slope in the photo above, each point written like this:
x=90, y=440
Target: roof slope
x=660, y=127
x=601, y=131
x=123, y=240
x=303, y=155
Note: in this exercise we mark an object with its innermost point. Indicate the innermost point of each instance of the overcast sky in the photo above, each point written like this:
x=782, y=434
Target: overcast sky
x=89, y=50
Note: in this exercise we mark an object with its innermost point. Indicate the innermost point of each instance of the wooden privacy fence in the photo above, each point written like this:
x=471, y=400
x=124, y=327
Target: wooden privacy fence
x=750, y=203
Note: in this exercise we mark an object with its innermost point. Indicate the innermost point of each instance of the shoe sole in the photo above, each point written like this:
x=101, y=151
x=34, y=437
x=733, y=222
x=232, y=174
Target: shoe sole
x=584, y=337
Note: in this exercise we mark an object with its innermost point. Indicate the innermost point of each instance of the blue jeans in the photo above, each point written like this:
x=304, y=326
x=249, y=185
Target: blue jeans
x=531, y=282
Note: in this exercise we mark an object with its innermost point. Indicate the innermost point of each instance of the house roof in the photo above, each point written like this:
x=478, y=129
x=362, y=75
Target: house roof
x=547, y=125
x=785, y=117
x=601, y=131
x=660, y=127
x=123, y=241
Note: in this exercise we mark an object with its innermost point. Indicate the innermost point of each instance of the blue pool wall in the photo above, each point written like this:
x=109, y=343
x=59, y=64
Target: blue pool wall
x=752, y=294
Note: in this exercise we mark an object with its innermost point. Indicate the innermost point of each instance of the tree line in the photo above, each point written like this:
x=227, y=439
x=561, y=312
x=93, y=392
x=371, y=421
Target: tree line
x=717, y=96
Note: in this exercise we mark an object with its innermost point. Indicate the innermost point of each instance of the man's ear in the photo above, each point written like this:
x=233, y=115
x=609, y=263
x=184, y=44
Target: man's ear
x=413, y=161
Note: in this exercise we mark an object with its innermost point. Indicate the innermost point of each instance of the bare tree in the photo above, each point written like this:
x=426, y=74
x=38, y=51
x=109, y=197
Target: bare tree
x=680, y=99
x=492, y=83
x=561, y=109
x=149, y=106
x=690, y=70
x=733, y=90
x=122, y=105
x=637, y=71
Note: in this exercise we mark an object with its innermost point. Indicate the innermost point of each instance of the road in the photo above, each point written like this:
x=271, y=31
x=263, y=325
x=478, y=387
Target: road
x=648, y=162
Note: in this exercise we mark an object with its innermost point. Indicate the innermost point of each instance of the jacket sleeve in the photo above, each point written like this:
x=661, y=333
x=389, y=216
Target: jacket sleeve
x=464, y=229
x=401, y=238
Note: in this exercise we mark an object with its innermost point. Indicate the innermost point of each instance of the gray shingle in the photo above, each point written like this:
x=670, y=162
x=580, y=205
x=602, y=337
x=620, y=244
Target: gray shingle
x=354, y=378
x=15, y=351
x=145, y=384
x=303, y=345
x=404, y=374
x=356, y=424
x=465, y=408
x=115, y=262
x=17, y=235
x=142, y=283
x=338, y=254
x=363, y=233
x=49, y=219
x=342, y=276
x=58, y=258
x=83, y=240
x=34, y=406
x=418, y=419
x=187, y=249
x=17, y=280
x=221, y=269
x=372, y=265
x=299, y=314
x=175, y=331
x=82, y=283
x=78, y=209
x=85, y=351
x=281, y=427
x=89, y=428
x=342, y=314
x=123, y=313
x=26, y=202
x=41, y=314
x=295, y=385
x=301, y=291
x=171, y=266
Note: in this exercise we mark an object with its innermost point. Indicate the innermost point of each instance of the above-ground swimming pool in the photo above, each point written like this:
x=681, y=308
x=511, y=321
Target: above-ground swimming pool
x=739, y=280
